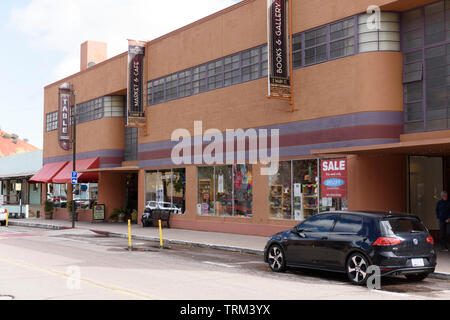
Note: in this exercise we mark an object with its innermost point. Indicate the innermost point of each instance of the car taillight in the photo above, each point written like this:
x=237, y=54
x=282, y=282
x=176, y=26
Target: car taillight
x=430, y=240
x=387, y=241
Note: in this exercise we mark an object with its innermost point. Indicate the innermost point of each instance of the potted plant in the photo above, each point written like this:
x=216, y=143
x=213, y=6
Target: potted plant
x=114, y=217
x=70, y=205
x=48, y=208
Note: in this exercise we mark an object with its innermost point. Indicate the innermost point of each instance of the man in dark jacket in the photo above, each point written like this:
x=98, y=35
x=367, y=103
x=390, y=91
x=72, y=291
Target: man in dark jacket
x=443, y=214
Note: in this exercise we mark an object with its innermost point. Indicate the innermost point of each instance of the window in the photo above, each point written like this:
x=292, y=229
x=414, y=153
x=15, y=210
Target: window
x=184, y=83
x=294, y=191
x=316, y=46
x=342, y=38
x=426, y=50
x=225, y=191
x=264, y=62
x=167, y=188
x=131, y=144
x=348, y=224
x=215, y=75
x=85, y=195
x=250, y=65
x=232, y=70
x=386, y=38
x=114, y=106
x=157, y=91
x=57, y=193
x=199, y=79
x=321, y=223
x=52, y=121
x=392, y=227
x=297, y=54
x=171, y=87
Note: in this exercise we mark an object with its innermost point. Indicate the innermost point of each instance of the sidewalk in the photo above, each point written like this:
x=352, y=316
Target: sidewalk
x=221, y=241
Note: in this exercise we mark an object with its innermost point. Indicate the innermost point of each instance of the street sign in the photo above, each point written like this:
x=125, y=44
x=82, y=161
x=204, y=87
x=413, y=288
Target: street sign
x=74, y=177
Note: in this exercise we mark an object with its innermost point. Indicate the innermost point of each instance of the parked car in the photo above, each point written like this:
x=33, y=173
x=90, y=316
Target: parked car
x=164, y=206
x=350, y=242
x=3, y=216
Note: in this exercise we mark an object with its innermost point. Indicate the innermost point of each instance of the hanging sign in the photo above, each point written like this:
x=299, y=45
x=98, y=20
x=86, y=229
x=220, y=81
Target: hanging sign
x=278, y=50
x=334, y=178
x=64, y=116
x=135, y=105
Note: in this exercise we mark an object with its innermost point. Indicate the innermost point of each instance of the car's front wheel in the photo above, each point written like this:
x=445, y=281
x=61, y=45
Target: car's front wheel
x=276, y=258
x=357, y=266
x=417, y=277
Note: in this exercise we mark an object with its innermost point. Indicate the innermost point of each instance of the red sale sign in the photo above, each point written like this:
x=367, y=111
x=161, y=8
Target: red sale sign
x=334, y=178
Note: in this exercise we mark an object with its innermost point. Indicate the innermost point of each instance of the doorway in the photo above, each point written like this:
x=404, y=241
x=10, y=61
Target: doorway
x=426, y=182
x=132, y=192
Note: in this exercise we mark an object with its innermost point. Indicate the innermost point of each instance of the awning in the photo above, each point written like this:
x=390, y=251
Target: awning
x=48, y=172
x=429, y=147
x=65, y=175
x=129, y=169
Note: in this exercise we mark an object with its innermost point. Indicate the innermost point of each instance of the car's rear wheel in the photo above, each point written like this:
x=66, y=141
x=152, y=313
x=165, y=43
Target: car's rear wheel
x=276, y=258
x=417, y=277
x=357, y=266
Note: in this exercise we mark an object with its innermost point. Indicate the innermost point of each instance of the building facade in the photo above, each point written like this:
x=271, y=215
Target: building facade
x=20, y=196
x=375, y=98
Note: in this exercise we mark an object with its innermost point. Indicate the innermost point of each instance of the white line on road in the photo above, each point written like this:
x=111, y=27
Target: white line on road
x=219, y=264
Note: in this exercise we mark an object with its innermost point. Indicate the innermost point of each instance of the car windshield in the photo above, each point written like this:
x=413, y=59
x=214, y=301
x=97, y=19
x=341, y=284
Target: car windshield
x=401, y=225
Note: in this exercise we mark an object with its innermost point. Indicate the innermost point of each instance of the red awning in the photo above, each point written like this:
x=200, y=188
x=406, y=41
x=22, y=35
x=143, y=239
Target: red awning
x=65, y=176
x=48, y=172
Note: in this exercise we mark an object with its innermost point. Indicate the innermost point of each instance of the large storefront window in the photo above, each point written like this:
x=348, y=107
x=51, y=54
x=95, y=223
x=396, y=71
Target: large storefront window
x=86, y=195
x=57, y=193
x=167, y=189
x=294, y=193
x=225, y=191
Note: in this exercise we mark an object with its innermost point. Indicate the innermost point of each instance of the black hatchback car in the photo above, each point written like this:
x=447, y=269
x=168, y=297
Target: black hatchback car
x=350, y=242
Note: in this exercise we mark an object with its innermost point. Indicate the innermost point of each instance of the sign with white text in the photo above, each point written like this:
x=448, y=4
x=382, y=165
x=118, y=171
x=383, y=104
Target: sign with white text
x=279, y=54
x=136, y=64
x=64, y=116
x=334, y=178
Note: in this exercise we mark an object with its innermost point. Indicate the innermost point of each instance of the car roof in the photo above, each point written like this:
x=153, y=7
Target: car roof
x=376, y=214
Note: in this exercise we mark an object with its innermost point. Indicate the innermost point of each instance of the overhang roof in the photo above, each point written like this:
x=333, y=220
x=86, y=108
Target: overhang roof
x=429, y=147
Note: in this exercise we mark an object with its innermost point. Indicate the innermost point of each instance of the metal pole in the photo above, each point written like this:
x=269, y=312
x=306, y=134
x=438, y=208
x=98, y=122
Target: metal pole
x=74, y=147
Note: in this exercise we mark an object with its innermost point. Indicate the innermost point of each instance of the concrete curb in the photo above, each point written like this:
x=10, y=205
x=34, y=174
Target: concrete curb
x=181, y=242
x=440, y=276
x=36, y=225
x=142, y=238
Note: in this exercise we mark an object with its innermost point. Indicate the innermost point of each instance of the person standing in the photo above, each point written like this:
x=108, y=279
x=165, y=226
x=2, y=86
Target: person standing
x=443, y=215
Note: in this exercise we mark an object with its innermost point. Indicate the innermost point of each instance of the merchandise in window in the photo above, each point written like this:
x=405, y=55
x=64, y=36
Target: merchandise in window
x=225, y=191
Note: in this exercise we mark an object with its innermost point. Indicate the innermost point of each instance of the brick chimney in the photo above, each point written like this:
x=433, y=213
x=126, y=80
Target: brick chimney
x=92, y=53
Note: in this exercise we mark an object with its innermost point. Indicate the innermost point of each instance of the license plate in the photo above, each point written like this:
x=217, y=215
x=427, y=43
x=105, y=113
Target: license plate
x=418, y=263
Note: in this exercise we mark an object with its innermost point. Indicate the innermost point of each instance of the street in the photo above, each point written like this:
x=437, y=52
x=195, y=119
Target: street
x=78, y=264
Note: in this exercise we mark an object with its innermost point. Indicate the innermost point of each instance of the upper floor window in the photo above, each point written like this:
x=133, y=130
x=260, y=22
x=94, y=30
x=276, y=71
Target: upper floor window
x=52, y=121
x=426, y=51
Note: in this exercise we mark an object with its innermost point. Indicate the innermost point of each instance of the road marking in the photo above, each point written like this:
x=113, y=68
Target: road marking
x=132, y=293
x=219, y=264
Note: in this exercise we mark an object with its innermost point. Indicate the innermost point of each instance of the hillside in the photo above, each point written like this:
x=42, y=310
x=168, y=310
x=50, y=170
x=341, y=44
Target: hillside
x=11, y=144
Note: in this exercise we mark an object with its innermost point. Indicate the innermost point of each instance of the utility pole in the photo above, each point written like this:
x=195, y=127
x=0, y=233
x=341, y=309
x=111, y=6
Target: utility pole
x=74, y=148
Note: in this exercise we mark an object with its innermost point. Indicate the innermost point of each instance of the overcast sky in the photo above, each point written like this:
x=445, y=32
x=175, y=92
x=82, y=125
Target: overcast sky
x=41, y=40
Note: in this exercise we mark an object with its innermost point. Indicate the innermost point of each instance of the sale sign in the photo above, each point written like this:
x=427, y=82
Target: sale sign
x=334, y=178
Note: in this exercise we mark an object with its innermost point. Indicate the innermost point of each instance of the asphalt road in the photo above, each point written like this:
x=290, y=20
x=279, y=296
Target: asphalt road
x=76, y=264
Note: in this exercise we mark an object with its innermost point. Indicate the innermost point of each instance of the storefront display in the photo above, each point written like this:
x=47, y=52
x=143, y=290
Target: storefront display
x=57, y=193
x=225, y=191
x=167, y=187
x=86, y=195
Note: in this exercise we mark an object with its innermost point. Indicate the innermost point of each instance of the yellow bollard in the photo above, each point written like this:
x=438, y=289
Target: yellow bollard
x=161, y=243
x=130, y=247
x=7, y=214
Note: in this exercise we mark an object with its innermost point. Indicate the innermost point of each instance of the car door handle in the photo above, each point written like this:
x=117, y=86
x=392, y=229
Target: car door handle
x=325, y=238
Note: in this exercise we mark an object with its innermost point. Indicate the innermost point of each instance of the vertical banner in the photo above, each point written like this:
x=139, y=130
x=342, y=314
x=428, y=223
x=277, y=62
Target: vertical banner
x=135, y=102
x=279, y=49
x=334, y=178
x=64, y=116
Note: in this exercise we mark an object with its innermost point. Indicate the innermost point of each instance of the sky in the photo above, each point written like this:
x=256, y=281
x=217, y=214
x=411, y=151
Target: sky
x=41, y=44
